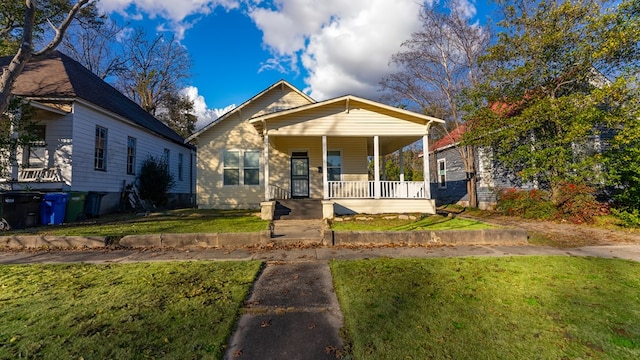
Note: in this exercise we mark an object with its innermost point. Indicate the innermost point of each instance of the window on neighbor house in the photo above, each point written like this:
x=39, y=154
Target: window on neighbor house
x=167, y=157
x=180, y=166
x=442, y=173
x=334, y=165
x=100, y=153
x=35, y=154
x=131, y=155
x=245, y=172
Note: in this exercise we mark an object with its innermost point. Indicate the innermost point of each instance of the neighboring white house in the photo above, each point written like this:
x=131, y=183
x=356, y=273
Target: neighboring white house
x=92, y=137
x=282, y=144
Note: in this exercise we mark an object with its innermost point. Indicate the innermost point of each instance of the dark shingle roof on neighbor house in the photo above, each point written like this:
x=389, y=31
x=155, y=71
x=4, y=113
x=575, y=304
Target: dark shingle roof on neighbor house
x=59, y=76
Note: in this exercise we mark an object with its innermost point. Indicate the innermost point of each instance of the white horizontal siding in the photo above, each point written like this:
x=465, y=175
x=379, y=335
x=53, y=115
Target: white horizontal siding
x=86, y=178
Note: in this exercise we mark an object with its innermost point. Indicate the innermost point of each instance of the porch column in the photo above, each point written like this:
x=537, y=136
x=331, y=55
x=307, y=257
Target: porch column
x=266, y=167
x=325, y=176
x=425, y=166
x=376, y=167
x=401, y=161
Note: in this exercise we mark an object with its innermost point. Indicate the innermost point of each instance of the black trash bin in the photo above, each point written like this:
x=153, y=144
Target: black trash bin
x=21, y=209
x=92, y=203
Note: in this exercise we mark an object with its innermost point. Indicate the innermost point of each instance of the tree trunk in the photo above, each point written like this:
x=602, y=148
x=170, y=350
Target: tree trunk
x=470, y=168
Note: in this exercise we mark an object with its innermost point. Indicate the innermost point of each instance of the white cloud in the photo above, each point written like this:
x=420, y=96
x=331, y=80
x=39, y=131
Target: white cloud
x=176, y=12
x=345, y=46
x=204, y=114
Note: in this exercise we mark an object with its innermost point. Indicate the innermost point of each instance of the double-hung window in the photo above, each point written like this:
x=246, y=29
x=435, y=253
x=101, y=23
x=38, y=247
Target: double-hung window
x=100, y=152
x=241, y=167
x=180, y=166
x=334, y=165
x=442, y=173
x=131, y=155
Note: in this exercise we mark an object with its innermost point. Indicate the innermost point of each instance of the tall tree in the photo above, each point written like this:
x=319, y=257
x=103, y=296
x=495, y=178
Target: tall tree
x=93, y=43
x=153, y=69
x=437, y=64
x=546, y=97
x=29, y=23
x=177, y=113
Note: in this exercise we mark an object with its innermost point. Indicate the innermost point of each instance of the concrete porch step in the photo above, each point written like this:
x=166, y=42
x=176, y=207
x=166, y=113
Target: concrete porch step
x=296, y=231
x=298, y=209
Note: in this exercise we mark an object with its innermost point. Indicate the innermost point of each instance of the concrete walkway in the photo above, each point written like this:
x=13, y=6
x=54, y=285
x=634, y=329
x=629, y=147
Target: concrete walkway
x=293, y=313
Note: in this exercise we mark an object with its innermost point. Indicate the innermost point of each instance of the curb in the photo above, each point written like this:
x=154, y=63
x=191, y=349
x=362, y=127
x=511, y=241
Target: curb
x=438, y=237
x=51, y=241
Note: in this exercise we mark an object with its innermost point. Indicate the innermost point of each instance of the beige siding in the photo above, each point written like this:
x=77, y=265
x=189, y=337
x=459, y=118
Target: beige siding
x=353, y=151
x=235, y=133
x=335, y=120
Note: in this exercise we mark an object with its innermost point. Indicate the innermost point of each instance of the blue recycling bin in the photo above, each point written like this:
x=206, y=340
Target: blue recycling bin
x=53, y=208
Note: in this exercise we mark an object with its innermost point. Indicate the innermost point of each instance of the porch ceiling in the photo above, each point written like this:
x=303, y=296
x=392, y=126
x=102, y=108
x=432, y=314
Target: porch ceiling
x=389, y=144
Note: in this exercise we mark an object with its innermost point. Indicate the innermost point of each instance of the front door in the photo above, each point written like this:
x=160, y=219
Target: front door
x=300, y=177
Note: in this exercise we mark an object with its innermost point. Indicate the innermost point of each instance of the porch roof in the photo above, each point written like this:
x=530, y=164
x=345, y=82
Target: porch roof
x=348, y=115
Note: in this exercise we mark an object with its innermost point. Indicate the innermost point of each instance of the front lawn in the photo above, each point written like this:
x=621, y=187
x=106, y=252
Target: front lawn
x=381, y=223
x=490, y=308
x=176, y=221
x=147, y=310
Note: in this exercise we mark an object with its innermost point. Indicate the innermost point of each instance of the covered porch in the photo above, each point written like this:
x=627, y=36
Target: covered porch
x=42, y=163
x=333, y=152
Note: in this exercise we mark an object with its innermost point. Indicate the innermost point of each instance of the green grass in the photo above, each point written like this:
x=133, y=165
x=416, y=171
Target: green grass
x=434, y=222
x=490, y=308
x=177, y=221
x=129, y=311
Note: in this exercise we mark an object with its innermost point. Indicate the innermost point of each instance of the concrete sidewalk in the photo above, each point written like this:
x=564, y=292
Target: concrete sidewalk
x=107, y=255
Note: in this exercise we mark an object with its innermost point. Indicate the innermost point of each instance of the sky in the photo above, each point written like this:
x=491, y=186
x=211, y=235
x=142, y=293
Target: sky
x=326, y=48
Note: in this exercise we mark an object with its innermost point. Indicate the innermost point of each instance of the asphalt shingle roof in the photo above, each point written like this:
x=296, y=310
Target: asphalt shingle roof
x=59, y=76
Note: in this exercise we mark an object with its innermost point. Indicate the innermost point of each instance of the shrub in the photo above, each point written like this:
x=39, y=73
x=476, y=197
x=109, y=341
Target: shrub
x=155, y=181
x=534, y=204
x=575, y=203
x=629, y=218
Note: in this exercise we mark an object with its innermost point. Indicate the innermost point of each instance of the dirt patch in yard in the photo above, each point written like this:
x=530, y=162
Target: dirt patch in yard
x=561, y=235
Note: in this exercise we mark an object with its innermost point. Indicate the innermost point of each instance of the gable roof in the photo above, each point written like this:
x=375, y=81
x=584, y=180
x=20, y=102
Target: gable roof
x=244, y=104
x=59, y=77
x=256, y=121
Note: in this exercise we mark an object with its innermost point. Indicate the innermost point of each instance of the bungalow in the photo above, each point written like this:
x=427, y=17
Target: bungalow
x=91, y=136
x=282, y=144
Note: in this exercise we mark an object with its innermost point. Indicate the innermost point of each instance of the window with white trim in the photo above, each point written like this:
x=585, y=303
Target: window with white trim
x=442, y=173
x=334, y=165
x=180, y=166
x=241, y=167
x=131, y=155
x=100, y=151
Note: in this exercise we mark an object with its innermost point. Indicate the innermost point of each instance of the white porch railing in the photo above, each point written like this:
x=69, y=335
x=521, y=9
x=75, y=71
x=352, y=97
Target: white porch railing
x=366, y=189
x=278, y=193
x=39, y=175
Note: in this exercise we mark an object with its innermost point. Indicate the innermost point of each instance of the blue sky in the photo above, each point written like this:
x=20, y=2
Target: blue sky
x=326, y=48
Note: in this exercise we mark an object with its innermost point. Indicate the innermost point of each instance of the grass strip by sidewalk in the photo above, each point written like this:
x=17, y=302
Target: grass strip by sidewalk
x=490, y=308
x=125, y=311
x=177, y=221
x=433, y=222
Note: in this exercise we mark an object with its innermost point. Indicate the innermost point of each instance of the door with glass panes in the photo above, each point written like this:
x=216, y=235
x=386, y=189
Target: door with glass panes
x=300, y=174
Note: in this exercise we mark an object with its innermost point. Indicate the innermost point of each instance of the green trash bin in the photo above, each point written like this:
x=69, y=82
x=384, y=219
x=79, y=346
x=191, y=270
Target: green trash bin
x=75, y=206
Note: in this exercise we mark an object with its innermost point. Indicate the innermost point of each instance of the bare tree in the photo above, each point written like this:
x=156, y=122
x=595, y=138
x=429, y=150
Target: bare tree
x=26, y=51
x=152, y=69
x=93, y=43
x=436, y=66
